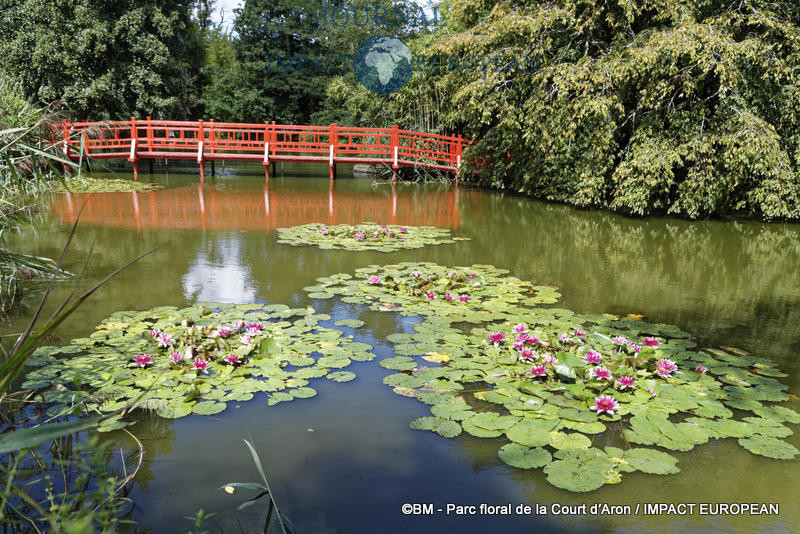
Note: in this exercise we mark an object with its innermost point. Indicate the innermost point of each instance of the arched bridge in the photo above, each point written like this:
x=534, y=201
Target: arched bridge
x=202, y=141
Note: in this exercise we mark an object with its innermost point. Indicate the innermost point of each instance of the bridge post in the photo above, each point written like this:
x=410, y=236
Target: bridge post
x=395, y=150
x=133, y=155
x=200, y=138
x=333, y=139
x=65, y=135
x=266, y=149
x=459, y=151
x=149, y=134
x=212, y=144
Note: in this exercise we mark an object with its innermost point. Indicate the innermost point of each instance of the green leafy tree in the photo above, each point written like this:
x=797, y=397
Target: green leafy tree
x=685, y=107
x=254, y=88
x=104, y=59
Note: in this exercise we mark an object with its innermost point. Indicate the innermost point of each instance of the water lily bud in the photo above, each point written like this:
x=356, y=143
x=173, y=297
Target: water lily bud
x=188, y=354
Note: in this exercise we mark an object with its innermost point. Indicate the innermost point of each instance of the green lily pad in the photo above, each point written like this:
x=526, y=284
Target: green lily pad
x=651, y=461
x=443, y=427
x=530, y=433
x=341, y=376
x=574, y=476
x=399, y=363
x=517, y=455
x=769, y=447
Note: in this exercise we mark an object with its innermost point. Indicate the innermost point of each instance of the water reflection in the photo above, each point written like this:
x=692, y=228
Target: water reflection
x=218, y=273
x=217, y=207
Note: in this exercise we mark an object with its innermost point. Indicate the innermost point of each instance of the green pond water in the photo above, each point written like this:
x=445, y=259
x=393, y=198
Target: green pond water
x=346, y=460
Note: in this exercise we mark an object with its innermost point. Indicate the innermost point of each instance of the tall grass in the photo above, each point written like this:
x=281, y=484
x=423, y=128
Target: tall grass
x=27, y=167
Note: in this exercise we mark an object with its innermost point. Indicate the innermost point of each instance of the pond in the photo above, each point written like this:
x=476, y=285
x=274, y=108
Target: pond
x=346, y=461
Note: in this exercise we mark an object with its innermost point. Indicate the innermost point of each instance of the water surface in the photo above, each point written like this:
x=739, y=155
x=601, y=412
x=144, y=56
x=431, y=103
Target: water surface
x=346, y=461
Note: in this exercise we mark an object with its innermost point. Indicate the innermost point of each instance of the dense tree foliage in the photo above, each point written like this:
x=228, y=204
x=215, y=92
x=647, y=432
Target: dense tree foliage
x=104, y=58
x=255, y=88
x=687, y=107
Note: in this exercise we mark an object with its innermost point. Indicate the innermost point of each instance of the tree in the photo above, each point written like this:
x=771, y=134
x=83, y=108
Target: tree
x=686, y=107
x=104, y=59
x=257, y=88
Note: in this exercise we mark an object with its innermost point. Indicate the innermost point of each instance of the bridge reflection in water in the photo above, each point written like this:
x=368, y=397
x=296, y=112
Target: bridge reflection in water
x=223, y=208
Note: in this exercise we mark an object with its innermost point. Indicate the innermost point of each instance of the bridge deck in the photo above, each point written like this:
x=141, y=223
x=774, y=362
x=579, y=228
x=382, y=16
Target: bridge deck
x=202, y=141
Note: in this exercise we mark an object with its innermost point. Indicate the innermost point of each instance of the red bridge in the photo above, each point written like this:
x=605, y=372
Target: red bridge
x=201, y=141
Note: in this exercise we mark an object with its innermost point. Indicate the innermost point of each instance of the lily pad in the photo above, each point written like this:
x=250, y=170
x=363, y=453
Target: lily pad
x=651, y=461
x=443, y=427
x=365, y=236
x=517, y=455
x=574, y=476
x=769, y=447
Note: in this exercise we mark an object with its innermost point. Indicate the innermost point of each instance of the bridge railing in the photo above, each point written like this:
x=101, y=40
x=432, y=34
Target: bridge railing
x=209, y=140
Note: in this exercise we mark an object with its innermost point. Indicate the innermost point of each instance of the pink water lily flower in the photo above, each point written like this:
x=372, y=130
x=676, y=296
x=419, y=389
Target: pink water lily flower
x=324, y=231
x=245, y=340
x=463, y=298
x=374, y=280
x=473, y=275
x=579, y=332
x=359, y=236
x=651, y=342
x=383, y=227
x=237, y=325
x=416, y=274
x=667, y=365
x=391, y=234
x=637, y=349
x=154, y=333
x=200, y=364
x=518, y=345
x=497, y=337
x=700, y=369
x=403, y=230
x=526, y=354
x=625, y=382
x=176, y=357
x=652, y=393
x=593, y=357
x=562, y=337
x=143, y=360
x=449, y=297
x=550, y=359
x=605, y=404
x=520, y=329
x=600, y=373
x=619, y=340
x=258, y=327
x=533, y=340
x=538, y=370
x=164, y=340
x=224, y=332
x=430, y=295
x=662, y=371
x=451, y=274
x=233, y=359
